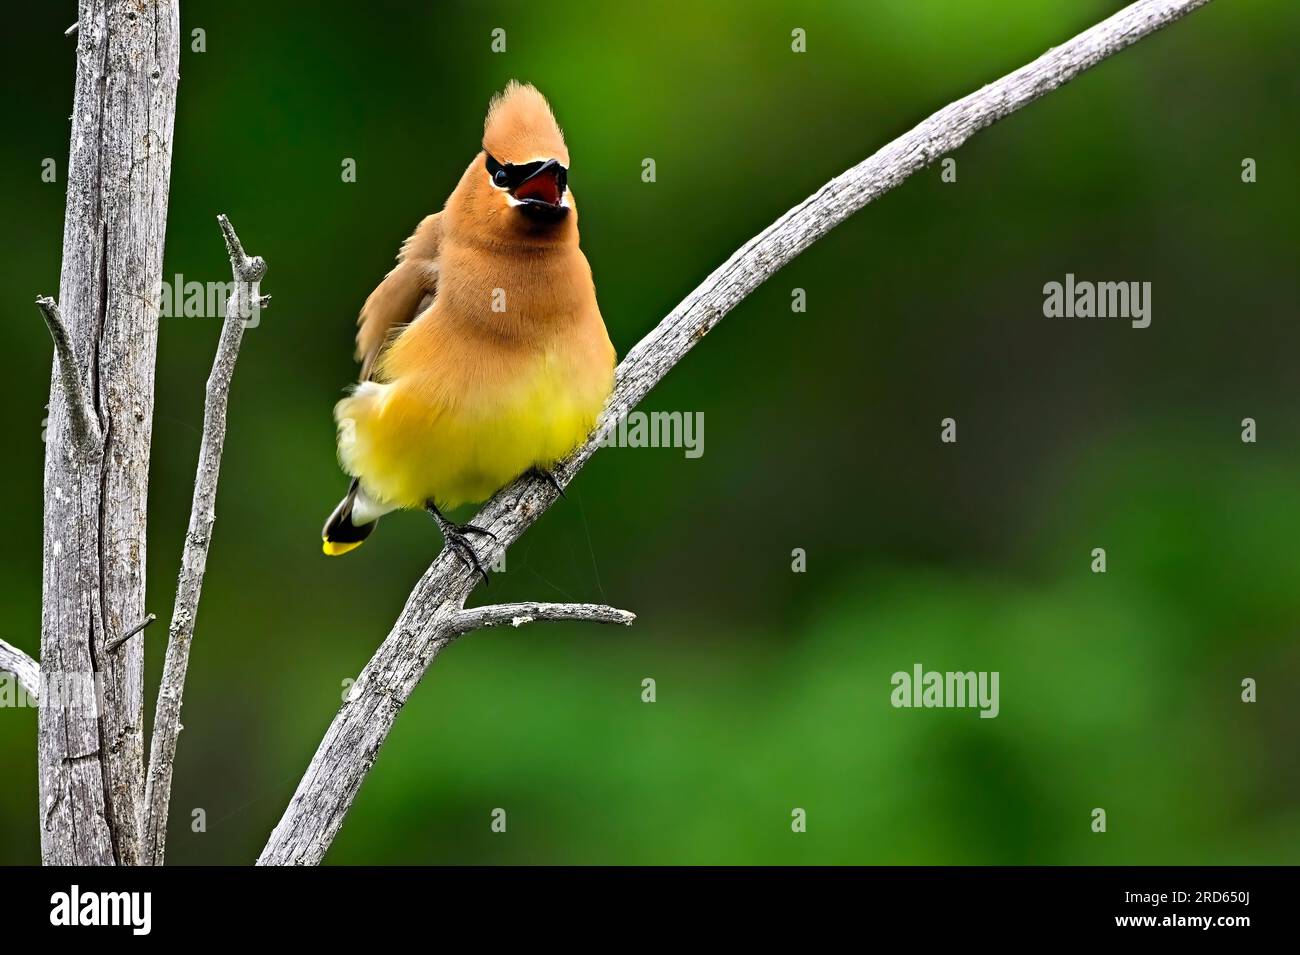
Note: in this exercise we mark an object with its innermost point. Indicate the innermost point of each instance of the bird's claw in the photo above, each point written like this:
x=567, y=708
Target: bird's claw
x=550, y=478
x=475, y=529
x=462, y=548
x=454, y=535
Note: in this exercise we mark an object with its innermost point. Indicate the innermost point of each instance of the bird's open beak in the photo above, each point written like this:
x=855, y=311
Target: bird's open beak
x=542, y=193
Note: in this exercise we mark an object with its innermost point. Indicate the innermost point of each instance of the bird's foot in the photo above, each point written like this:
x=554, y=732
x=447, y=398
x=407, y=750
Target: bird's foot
x=550, y=478
x=456, y=536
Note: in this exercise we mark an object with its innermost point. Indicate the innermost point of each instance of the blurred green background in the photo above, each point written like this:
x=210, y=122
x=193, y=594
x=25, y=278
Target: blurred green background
x=1119, y=691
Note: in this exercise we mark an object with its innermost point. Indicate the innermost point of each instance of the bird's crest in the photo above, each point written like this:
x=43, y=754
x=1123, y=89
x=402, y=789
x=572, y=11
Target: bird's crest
x=520, y=127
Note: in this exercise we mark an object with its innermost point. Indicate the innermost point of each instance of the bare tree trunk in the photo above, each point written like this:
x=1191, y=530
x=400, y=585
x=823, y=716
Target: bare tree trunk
x=96, y=471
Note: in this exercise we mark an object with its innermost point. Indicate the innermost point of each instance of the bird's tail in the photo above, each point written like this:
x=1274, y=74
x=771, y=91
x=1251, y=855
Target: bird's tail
x=341, y=534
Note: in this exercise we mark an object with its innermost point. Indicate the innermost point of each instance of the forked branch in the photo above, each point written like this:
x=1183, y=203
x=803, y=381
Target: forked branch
x=432, y=614
x=244, y=303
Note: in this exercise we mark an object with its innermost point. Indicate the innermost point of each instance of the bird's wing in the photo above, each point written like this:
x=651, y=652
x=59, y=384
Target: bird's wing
x=403, y=294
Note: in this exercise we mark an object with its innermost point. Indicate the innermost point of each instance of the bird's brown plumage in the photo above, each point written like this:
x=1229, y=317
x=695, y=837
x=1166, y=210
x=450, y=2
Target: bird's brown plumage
x=404, y=293
x=483, y=351
x=520, y=127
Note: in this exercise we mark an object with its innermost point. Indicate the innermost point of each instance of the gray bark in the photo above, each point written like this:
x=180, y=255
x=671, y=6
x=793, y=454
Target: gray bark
x=430, y=619
x=248, y=272
x=83, y=419
x=518, y=614
x=91, y=771
x=23, y=667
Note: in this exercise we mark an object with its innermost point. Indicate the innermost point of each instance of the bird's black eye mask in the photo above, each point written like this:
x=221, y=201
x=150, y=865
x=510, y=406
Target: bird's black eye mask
x=537, y=187
x=510, y=176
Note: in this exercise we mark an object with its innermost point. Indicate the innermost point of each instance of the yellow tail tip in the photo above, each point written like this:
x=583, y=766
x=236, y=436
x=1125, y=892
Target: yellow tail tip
x=335, y=548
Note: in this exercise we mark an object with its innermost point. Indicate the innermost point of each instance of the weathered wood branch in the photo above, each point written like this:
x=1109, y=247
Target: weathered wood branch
x=518, y=614
x=90, y=759
x=427, y=623
x=245, y=300
x=83, y=419
x=113, y=644
x=26, y=670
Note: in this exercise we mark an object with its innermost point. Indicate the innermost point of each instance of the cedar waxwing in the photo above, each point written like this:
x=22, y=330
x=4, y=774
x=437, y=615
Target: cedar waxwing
x=483, y=353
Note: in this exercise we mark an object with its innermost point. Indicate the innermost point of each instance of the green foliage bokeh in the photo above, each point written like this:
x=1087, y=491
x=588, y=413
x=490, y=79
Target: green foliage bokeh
x=1118, y=691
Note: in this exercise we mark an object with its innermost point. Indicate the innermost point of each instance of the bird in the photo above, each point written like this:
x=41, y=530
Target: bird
x=483, y=352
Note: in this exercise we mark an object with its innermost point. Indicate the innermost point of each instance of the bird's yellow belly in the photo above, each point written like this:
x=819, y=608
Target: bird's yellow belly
x=410, y=443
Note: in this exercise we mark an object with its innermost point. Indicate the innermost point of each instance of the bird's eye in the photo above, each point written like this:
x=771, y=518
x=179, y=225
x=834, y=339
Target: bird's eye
x=500, y=176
